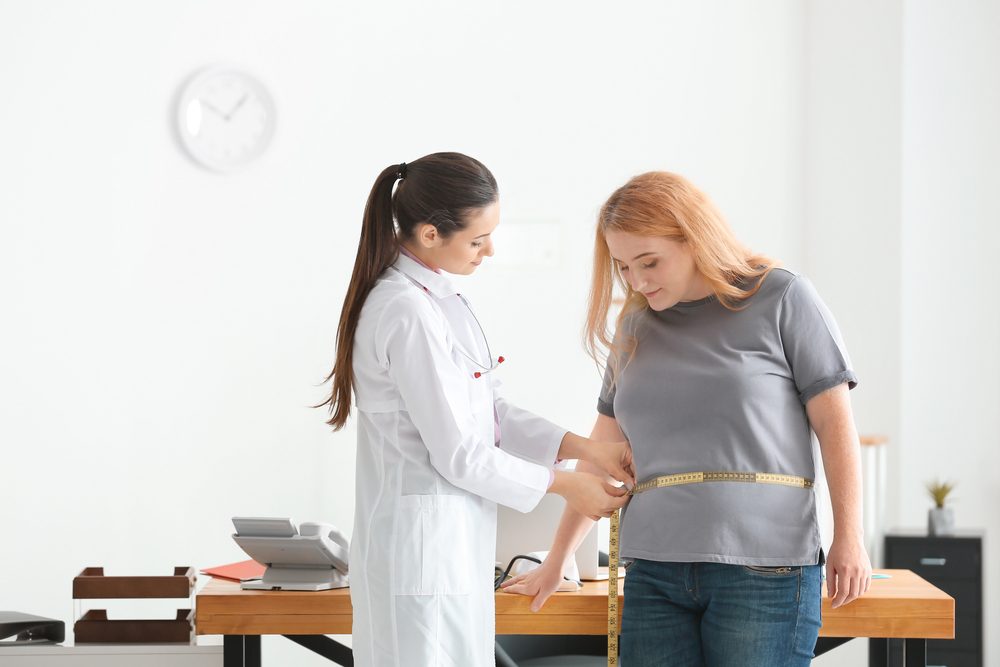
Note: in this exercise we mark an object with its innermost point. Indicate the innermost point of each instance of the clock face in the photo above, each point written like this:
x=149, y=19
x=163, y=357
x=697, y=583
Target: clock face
x=225, y=118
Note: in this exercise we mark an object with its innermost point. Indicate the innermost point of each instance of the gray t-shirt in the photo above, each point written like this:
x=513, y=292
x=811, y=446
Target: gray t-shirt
x=709, y=389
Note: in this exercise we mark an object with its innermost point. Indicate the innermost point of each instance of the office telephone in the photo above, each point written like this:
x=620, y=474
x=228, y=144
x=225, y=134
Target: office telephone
x=313, y=557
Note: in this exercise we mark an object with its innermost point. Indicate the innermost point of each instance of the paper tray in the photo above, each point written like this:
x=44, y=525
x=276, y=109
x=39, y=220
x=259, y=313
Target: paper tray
x=92, y=584
x=94, y=627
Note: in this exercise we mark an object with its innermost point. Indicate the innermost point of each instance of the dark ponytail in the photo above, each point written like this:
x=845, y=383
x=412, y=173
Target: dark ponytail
x=440, y=189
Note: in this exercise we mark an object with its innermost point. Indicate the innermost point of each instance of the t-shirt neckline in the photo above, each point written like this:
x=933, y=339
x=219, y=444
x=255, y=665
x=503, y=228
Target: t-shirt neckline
x=696, y=302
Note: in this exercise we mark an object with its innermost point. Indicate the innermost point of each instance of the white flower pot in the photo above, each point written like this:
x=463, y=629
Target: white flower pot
x=940, y=521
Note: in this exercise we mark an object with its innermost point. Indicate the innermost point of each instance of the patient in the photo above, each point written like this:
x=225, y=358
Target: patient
x=720, y=362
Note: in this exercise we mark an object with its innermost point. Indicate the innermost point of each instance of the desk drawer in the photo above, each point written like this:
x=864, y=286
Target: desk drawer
x=967, y=634
x=968, y=596
x=932, y=559
x=968, y=610
x=940, y=657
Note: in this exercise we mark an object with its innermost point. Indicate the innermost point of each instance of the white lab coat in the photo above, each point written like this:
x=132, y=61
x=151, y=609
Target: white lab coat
x=429, y=476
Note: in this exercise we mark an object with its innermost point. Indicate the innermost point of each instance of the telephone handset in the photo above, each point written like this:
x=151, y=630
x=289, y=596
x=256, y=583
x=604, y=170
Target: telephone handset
x=335, y=544
x=313, y=557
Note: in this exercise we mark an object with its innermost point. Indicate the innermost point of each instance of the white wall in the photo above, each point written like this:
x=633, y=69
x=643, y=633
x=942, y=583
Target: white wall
x=950, y=245
x=164, y=328
x=852, y=158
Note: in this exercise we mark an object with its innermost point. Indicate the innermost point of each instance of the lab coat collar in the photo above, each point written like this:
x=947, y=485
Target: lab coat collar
x=435, y=283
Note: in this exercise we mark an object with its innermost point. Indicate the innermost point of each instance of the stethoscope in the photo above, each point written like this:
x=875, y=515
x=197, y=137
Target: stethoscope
x=485, y=369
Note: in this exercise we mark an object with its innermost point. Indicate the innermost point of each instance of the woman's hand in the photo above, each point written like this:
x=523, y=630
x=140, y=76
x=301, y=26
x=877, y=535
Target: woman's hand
x=848, y=571
x=588, y=494
x=614, y=458
x=539, y=583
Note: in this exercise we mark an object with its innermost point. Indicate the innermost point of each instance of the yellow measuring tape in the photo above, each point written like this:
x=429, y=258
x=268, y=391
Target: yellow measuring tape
x=676, y=480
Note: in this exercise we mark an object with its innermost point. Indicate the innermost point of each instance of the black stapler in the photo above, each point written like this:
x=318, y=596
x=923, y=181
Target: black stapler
x=28, y=629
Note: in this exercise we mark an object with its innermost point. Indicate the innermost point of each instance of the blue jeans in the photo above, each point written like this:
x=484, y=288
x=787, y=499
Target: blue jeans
x=715, y=615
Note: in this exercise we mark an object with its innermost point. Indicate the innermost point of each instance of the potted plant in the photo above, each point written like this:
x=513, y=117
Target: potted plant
x=940, y=519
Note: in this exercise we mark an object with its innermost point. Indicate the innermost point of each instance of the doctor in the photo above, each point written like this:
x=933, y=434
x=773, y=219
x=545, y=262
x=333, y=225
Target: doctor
x=438, y=447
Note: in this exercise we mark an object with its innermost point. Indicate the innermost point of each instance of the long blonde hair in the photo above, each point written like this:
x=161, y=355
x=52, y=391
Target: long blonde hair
x=659, y=203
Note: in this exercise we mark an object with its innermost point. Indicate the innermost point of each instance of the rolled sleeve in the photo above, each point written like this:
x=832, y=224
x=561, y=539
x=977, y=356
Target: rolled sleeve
x=812, y=342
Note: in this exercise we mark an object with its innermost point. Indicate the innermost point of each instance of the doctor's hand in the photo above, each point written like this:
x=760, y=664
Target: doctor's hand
x=539, y=583
x=588, y=494
x=614, y=458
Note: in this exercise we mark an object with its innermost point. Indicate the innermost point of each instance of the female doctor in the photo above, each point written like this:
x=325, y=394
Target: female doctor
x=437, y=446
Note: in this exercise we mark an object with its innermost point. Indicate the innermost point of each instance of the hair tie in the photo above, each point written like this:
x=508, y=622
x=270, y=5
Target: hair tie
x=401, y=170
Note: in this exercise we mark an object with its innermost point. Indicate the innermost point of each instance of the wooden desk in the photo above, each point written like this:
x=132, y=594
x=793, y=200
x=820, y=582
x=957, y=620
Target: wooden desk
x=903, y=611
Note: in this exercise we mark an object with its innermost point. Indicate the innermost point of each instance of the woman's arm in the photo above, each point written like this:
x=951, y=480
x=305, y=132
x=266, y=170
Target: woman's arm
x=848, y=569
x=573, y=527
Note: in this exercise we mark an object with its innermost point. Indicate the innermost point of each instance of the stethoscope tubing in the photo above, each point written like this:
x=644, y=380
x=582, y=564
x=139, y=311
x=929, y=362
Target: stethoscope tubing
x=458, y=346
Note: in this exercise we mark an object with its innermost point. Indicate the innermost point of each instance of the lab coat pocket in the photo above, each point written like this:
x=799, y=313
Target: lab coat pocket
x=434, y=549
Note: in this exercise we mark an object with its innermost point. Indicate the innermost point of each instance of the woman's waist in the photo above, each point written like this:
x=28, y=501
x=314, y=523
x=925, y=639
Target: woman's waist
x=687, y=522
x=700, y=510
x=670, y=455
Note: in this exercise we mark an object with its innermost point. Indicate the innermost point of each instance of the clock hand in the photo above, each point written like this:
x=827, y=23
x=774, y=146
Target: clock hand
x=214, y=110
x=238, y=105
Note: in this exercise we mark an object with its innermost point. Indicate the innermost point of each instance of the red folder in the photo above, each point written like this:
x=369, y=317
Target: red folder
x=242, y=571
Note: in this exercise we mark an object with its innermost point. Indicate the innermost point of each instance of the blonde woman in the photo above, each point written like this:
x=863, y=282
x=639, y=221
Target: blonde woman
x=720, y=362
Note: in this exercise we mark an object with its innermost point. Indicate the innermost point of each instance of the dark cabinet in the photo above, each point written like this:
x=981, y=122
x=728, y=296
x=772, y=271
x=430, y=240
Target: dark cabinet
x=955, y=565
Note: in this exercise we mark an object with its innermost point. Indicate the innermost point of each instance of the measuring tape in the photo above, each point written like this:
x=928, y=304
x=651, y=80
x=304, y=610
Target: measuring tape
x=676, y=480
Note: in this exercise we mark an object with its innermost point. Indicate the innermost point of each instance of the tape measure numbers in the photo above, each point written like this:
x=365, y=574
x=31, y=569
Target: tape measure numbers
x=675, y=480
x=613, y=592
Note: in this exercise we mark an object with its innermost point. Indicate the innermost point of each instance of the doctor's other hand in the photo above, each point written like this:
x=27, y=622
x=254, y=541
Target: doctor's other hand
x=588, y=494
x=539, y=583
x=614, y=458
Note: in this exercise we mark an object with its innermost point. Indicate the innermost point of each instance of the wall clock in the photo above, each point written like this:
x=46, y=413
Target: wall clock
x=225, y=118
